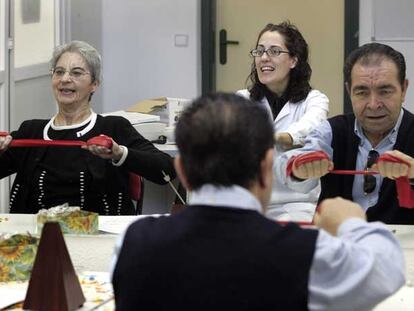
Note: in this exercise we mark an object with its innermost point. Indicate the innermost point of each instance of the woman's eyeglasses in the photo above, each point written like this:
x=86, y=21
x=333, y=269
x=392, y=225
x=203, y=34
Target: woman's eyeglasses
x=271, y=52
x=75, y=74
x=369, y=180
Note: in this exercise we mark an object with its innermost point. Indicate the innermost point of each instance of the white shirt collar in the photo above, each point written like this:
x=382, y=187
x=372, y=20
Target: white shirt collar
x=91, y=120
x=232, y=197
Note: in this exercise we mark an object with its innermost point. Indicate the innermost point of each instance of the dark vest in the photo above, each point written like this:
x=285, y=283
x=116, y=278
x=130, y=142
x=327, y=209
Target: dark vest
x=345, y=149
x=212, y=258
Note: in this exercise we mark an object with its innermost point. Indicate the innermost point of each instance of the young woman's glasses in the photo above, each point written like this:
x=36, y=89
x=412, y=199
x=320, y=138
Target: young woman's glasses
x=271, y=52
x=369, y=180
x=75, y=74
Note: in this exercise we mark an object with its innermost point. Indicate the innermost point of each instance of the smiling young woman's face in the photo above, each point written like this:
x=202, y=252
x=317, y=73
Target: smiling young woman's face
x=274, y=71
x=72, y=82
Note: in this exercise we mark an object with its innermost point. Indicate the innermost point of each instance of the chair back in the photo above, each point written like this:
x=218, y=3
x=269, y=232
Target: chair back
x=136, y=190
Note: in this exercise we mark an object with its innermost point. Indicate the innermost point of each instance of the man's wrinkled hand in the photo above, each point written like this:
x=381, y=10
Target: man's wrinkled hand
x=332, y=213
x=312, y=169
x=394, y=170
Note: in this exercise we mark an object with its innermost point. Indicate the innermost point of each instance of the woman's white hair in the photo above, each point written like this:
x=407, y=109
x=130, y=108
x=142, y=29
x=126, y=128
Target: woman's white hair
x=87, y=51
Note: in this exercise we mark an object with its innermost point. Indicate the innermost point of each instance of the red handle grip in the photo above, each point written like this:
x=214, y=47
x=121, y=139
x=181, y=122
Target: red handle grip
x=303, y=159
x=404, y=191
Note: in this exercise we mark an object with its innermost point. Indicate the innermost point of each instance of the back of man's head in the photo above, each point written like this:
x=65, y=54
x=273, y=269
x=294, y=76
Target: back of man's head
x=222, y=139
x=373, y=54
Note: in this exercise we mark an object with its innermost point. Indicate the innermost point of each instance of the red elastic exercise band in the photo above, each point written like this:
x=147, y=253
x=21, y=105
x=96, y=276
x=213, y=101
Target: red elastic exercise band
x=404, y=191
x=299, y=223
x=101, y=140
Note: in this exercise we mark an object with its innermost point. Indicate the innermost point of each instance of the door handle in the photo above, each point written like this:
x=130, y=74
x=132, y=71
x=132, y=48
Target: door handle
x=223, y=45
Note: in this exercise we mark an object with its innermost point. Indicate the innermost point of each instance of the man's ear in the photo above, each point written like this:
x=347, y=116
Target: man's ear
x=178, y=165
x=266, y=169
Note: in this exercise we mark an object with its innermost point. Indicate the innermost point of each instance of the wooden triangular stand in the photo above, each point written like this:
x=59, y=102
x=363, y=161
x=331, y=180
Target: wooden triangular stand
x=54, y=284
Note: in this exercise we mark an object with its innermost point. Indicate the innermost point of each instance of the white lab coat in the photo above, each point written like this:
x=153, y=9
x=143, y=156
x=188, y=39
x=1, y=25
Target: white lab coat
x=297, y=119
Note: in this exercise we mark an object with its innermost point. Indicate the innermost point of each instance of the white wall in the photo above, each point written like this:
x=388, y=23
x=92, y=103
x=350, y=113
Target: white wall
x=391, y=23
x=136, y=40
x=86, y=25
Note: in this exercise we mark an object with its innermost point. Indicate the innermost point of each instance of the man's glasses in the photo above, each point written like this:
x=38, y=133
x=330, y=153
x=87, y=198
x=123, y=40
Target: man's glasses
x=369, y=180
x=75, y=74
x=271, y=52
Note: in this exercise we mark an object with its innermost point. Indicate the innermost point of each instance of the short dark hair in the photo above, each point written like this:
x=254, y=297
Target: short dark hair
x=299, y=86
x=222, y=138
x=374, y=53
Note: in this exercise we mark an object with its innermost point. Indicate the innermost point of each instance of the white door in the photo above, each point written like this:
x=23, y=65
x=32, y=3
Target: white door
x=321, y=22
x=4, y=86
x=34, y=34
x=29, y=31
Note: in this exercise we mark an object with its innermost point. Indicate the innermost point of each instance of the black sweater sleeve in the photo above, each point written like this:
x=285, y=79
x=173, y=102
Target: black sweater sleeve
x=12, y=158
x=143, y=157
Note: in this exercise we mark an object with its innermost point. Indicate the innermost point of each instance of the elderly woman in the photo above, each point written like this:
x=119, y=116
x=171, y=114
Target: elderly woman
x=93, y=177
x=279, y=79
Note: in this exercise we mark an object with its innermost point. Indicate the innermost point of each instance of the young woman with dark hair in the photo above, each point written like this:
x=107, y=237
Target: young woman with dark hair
x=279, y=80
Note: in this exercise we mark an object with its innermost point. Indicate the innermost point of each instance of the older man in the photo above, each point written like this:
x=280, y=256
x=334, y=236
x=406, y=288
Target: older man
x=376, y=82
x=221, y=253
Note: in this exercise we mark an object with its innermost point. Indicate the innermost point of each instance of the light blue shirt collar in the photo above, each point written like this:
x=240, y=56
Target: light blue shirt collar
x=391, y=137
x=387, y=143
x=232, y=197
